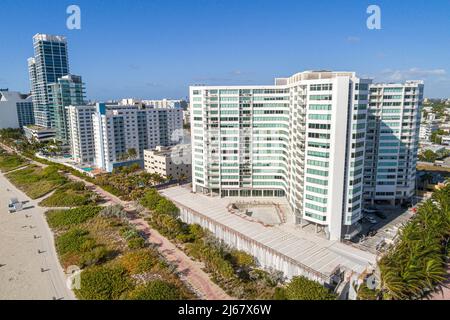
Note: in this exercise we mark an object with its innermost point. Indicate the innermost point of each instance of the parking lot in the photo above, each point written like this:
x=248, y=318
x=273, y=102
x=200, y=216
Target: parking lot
x=374, y=237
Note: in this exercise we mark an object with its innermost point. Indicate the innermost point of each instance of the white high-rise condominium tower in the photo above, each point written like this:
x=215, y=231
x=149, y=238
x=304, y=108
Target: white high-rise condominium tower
x=81, y=133
x=302, y=138
x=392, y=141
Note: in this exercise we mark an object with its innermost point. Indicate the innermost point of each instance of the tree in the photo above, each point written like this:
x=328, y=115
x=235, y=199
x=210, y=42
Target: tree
x=157, y=178
x=301, y=288
x=132, y=153
x=151, y=199
x=416, y=264
x=428, y=156
x=166, y=206
x=436, y=136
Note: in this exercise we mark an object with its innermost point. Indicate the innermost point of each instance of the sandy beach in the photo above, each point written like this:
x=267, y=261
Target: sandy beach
x=29, y=267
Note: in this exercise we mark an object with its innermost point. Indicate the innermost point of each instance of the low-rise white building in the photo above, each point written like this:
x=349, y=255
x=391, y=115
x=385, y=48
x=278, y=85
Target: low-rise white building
x=445, y=140
x=428, y=126
x=174, y=162
x=36, y=133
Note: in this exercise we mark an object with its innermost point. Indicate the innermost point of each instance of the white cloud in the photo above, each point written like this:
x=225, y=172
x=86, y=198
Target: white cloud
x=413, y=74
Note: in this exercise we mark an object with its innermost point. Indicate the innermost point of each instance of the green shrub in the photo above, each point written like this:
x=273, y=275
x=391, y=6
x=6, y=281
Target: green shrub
x=213, y=259
x=301, y=288
x=113, y=211
x=70, y=195
x=151, y=199
x=136, y=243
x=104, y=283
x=166, y=206
x=156, y=290
x=75, y=185
x=129, y=233
x=35, y=181
x=139, y=261
x=242, y=259
x=168, y=225
x=71, y=217
x=97, y=255
x=364, y=293
x=74, y=241
x=10, y=162
x=279, y=294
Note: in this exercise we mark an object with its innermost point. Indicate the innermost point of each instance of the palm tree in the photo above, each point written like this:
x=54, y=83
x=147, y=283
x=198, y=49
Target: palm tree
x=131, y=153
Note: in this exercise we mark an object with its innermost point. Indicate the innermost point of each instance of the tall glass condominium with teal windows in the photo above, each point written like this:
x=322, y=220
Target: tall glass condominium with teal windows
x=50, y=62
x=68, y=90
x=302, y=138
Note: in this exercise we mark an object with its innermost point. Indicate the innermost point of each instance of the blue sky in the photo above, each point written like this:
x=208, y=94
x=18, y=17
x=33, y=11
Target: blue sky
x=157, y=48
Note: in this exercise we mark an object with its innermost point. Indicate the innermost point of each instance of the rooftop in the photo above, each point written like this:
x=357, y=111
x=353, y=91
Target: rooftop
x=321, y=255
x=48, y=37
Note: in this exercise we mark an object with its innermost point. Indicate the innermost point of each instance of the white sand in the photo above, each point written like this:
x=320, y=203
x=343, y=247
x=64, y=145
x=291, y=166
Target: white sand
x=20, y=262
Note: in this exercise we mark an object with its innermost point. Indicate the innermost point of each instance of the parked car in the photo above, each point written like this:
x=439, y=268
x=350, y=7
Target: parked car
x=12, y=202
x=380, y=215
x=372, y=220
x=369, y=211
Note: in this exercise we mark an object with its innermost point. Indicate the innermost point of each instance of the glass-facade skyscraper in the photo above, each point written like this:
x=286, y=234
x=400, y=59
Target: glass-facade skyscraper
x=68, y=90
x=50, y=62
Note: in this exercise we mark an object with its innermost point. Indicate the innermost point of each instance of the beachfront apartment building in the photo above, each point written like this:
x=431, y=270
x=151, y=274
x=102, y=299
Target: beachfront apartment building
x=16, y=109
x=164, y=103
x=392, y=141
x=67, y=90
x=302, y=138
x=168, y=162
x=109, y=136
x=81, y=133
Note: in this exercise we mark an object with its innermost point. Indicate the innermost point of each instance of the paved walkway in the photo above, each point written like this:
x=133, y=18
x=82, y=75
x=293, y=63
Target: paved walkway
x=190, y=270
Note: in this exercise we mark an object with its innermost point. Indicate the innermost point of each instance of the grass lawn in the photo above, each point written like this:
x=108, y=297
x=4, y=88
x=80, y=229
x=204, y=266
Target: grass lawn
x=36, y=181
x=10, y=162
x=72, y=194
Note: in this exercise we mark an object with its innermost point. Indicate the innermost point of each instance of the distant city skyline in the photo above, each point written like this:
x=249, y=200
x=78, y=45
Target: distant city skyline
x=153, y=50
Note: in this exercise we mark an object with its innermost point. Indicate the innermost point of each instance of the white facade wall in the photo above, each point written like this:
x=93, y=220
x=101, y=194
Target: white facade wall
x=266, y=257
x=165, y=162
x=119, y=129
x=81, y=133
